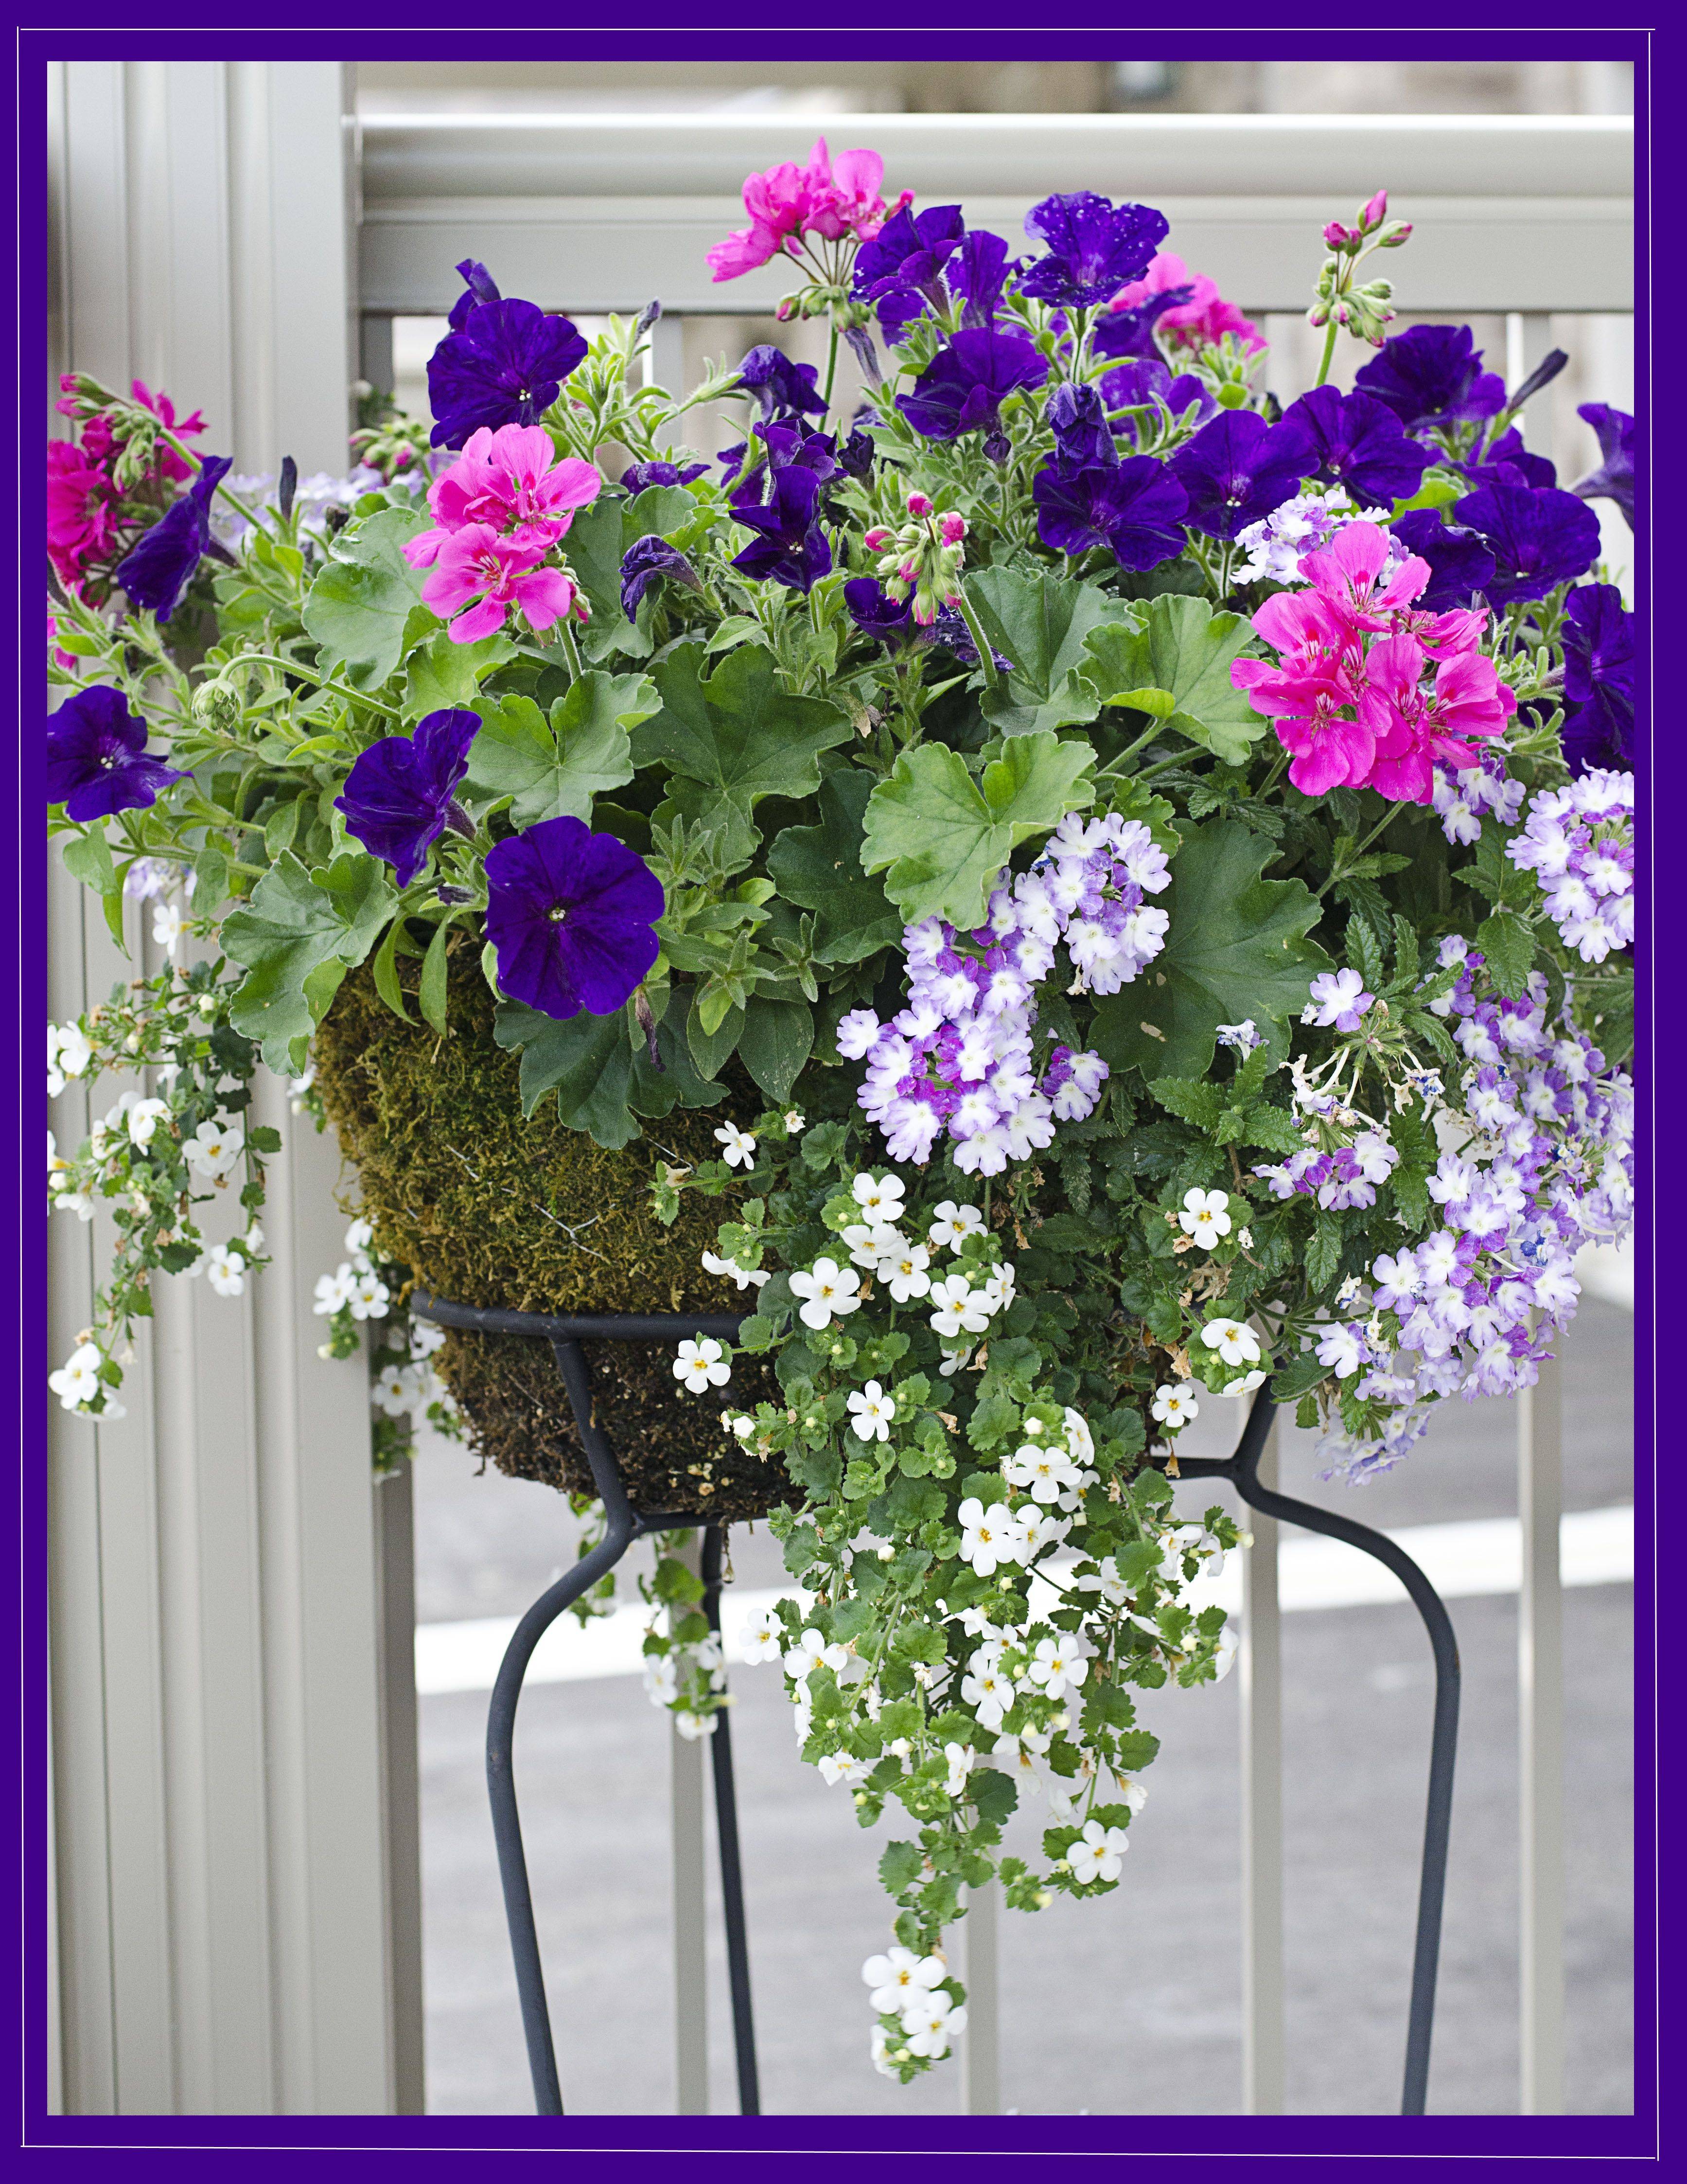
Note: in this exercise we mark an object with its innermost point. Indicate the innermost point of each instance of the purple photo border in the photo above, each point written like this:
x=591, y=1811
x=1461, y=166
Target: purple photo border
x=1660, y=81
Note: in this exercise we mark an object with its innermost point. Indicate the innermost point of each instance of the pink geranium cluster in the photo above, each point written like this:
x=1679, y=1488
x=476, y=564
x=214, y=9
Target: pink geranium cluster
x=1205, y=317
x=82, y=493
x=1369, y=690
x=821, y=199
x=498, y=510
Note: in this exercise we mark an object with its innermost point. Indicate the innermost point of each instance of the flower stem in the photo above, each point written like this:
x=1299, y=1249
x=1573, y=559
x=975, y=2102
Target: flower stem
x=986, y=658
x=1360, y=849
x=830, y=364
x=569, y=650
x=323, y=682
x=1329, y=355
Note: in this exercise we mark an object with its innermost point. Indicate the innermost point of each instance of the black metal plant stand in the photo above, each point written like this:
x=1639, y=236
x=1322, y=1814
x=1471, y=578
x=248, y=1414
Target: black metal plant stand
x=566, y=1333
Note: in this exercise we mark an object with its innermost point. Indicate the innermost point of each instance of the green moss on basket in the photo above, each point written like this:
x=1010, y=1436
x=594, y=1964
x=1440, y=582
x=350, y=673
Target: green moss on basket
x=489, y=1208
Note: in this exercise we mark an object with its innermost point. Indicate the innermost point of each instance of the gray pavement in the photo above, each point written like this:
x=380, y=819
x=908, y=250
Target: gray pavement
x=1128, y=2006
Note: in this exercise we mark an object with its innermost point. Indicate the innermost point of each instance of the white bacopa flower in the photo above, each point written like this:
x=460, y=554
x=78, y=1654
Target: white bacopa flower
x=167, y=926
x=1245, y=1386
x=880, y=1198
x=1105, y=1580
x=951, y=1361
x=959, y=1308
x=1042, y=1472
x=930, y=2024
x=1236, y=1344
x=828, y=1291
x=870, y=1242
x=1174, y=1408
x=212, y=1150
x=737, y=1146
x=661, y=1678
x=425, y=1339
x=763, y=1637
x=713, y=1263
x=837, y=1767
x=793, y=1122
x=702, y=1365
x=1132, y=1793
x=68, y=1051
x=1205, y=1217
x=359, y=1239
x=1098, y=1854
x=333, y=1291
x=953, y=1223
x=997, y=1293
x=962, y=1759
x=144, y=1117
x=986, y=1535
x=899, y=1977
x=1229, y=1645
x=871, y=1411
x=811, y=1652
x=693, y=1726
x=252, y=1243
x=389, y=1392
x=1057, y=1665
x=368, y=1296
x=1032, y=1529
x=1079, y=1438
x=77, y=1381
x=225, y=1271
x=903, y=1272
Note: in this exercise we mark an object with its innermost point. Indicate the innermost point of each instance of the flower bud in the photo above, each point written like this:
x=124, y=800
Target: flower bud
x=1375, y=213
x=918, y=504
x=1392, y=239
x=954, y=527
x=1337, y=237
x=876, y=539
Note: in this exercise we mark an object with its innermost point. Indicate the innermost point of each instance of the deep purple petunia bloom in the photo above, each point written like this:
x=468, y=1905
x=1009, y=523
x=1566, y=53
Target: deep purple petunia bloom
x=1432, y=376
x=1137, y=508
x=1140, y=381
x=1130, y=332
x=979, y=272
x=786, y=390
x=646, y=561
x=399, y=797
x=97, y=760
x=638, y=475
x=504, y=365
x=872, y=610
x=1237, y=469
x=901, y=269
x=1614, y=479
x=480, y=288
x=783, y=447
x=1360, y=445
x=160, y=566
x=1084, y=439
x=1509, y=462
x=855, y=456
x=1095, y=247
x=1539, y=538
x=949, y=630
x=571, y=914
x=791, y=548
x=1599, y=679
x=1460, y=563
x=963, y=388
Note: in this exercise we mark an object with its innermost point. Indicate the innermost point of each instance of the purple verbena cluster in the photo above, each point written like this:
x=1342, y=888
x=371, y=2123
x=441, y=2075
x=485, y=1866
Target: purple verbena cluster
x=1344, y=1176
x=1578, y=841
x=1463, y=794
x=959, y=1057
x=1302, y=525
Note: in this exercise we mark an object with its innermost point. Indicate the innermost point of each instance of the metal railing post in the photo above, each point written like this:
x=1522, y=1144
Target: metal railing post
x=691, y=1963
x=981, y=2046
x=1260, y=1670
x=1540, y=1753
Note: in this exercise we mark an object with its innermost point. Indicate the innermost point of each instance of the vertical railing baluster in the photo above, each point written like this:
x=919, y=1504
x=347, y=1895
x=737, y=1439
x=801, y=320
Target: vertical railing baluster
x=1259, y=1668
x=691, y=1961
x=981, y=2044
x=1540, y=1755
x=1529, y=337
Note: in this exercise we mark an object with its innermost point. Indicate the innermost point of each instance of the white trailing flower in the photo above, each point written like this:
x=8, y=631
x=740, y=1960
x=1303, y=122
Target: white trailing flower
x=702, y=1365
x=167, y=926
x=225, y=1271
x=144, y=1117
x=871, y=1411
x=1236, y=1344
x=872, y=1243
x=745, y=1276
x=212, y=1150
x=369, y=1295
x=930, y=2025
x=334, y=1292
x=1040, y=1472
x=880, y=1197
x=737, y=1146
x=764, y=1637
x=903, y=1272
x=77, y=1382
x=1204, y=1216
x=899, y=1978
x=828, y=1291
x=1057, y=1665
x=811, y=1652
x=988, y=1536
x=1174, y=1408
x=1098, y=1854
x=959, y=1307
x=837, y=1767
x=953, y=1224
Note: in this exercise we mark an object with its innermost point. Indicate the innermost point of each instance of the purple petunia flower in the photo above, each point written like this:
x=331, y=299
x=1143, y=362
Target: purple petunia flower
x=1084, y=439
x=646, y=561
x=1508, y=462
x=1136, y=507
x=963, y=388
x=571, y=914
x=791, y=547
x=160, y=566
x=901, y=269
x=1460, y=562
x=1236, y=469
x=479, y=288
x=783, y=447
x=1130, y=332
x=786, y=390
x=1094, y=248
x=1140, y=381
x=874, y=612
x=979, y=273
x=399, y=797
x=949, y=630
x=855, y=456
x=504, y=365
x=1614, y=479
x=97, y=760
x=1360, y=445
x=1432, y=376
x=1539, y=538
x=1599, y=679
x=638, y=476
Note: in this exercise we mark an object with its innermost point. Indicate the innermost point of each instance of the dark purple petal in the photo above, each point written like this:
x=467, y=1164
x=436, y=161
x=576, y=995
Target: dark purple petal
x=949, y=630
x=1137, y=508
x=570, y=914
x=1095, y=247
x=505, y=366
x=1508, y=462
x=786, y=390
x=397, y=797
x=1130, y=332
x=979, y=273
x=855, y=456
x=791, y=548
x=1614, y=479
x=1460, y=563
x=1599, y=679
x=1539, y=539
x=97, y=760
x=872, y=610
x=1084, y=439
x=1432, y=376
x=910, y=251
x=638, y=476
x=160, y=565
x=1360, y=445
x=646, y=561
x=1237, y=469
x=480, y=288
x=963, y=388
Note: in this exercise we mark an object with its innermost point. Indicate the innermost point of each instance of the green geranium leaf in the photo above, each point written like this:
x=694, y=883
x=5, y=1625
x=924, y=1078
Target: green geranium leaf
x=777, y=1039
x=359, y=609
x=941, y=837
x=819, y=868
x=1236, y=947
x=1177, y=667
x=1040, y=622
x=599, y=1072
x=447, y=675
x=556, y=768
x=301, y=933
x=738, y=730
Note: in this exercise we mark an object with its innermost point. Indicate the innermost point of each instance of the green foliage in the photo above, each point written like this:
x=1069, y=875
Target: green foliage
x=303, y=931
x=1177, y=669
x=738, y=731
x=360, y=610
x=1039, y=621
x=556, y=766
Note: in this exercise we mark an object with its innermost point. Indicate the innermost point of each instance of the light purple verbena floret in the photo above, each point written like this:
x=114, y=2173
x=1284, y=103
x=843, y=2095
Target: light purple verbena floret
x=959, y=1060
x=1578, y=841
x=1463, y=794
x=1299, y=525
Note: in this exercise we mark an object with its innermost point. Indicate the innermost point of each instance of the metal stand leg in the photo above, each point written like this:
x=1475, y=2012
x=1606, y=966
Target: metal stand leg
x=731, y=1865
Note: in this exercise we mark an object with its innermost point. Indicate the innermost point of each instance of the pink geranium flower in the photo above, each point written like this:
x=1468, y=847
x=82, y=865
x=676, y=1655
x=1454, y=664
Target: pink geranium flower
x=509, y=479
x=98, y=440
x=1205, y=317
x=475, y=565
x=1415, y=723
x=81, y=511
x=1356, y=573
x=788, y=201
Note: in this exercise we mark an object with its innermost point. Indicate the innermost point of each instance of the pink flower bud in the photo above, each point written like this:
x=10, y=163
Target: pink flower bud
x=925, y=609
x=1336, y=235
x=1376, y=212
x=876, y=538
x=908, y=572
x=581, y=608
x=786, y=310
x=918, y=504
x=954, y=527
